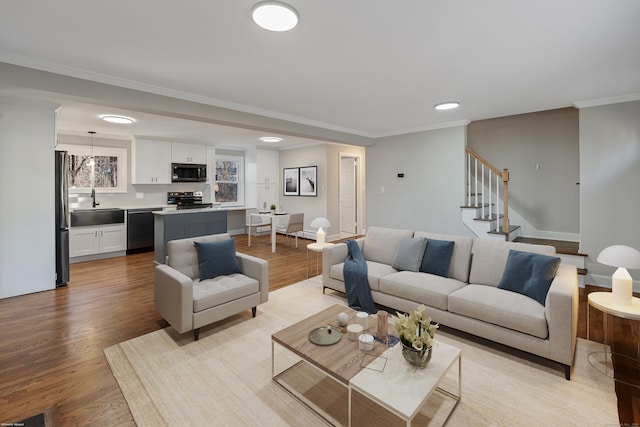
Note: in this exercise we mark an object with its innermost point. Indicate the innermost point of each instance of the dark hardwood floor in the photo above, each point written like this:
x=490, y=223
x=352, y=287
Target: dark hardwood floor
x=52, y=357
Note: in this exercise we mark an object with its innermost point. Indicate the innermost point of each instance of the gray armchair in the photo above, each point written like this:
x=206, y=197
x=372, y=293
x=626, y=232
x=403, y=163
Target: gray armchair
x=188, y=303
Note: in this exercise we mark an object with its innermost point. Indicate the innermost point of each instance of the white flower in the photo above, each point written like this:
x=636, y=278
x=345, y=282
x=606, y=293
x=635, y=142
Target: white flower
x=415, y=329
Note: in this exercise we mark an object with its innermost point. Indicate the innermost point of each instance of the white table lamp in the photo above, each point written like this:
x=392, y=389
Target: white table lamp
x=623, y=257
x=320, y=222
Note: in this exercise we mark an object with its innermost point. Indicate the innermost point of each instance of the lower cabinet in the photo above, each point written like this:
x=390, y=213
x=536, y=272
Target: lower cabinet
x=96, y=240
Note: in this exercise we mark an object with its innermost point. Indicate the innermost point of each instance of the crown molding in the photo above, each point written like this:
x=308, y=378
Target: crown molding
x=606, y=101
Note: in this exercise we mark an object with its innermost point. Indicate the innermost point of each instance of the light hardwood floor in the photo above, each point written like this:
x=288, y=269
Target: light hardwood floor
x=52, y=358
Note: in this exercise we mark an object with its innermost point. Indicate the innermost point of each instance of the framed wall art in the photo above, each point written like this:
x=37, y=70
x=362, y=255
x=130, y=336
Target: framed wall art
x=291, y=181
x=309, y=181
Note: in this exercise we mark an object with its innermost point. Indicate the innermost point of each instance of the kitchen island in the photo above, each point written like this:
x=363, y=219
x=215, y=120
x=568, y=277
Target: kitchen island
x=180, y=224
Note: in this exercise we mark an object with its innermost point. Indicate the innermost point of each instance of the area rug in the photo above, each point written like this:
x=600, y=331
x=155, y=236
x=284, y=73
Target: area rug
x=225, y=377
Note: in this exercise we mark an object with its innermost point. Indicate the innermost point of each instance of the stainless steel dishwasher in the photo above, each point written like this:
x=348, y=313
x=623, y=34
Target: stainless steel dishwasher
x=140, y=230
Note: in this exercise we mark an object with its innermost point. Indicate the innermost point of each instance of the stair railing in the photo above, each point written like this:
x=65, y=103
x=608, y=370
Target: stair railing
x=476, y=177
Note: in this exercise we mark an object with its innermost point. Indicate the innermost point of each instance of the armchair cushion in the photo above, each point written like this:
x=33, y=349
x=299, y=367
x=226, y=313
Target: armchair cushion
x=217, y=258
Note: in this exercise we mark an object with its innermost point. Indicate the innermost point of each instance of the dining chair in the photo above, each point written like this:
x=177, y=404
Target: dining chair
x=294, y=225
x=256, y=224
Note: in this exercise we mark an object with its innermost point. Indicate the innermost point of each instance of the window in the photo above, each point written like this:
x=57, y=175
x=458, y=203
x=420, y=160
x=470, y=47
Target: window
x=107, y=175
x=229, y=185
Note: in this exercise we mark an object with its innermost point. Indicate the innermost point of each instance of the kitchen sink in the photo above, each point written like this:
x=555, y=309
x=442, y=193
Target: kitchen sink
x=96, y=216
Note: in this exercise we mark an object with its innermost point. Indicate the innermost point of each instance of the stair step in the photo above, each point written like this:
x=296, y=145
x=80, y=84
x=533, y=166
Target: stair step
x=562, y=246
x=486, y=205
x=491, y=217
x=512, y=228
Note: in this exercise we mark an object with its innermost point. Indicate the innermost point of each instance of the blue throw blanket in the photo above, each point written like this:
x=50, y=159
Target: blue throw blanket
x=356, y=282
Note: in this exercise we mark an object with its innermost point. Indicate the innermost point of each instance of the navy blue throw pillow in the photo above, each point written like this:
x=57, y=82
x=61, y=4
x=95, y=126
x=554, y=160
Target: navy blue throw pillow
x=437, y=257
x=217, y=258
x=529, y=274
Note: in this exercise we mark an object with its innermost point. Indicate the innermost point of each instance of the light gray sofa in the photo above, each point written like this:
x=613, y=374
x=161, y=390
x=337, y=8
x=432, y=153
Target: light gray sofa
x=469, y=299
x=188, y=303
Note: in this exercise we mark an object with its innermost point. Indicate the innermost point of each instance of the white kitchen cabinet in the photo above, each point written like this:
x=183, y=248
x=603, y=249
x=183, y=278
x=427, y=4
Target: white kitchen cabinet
x=97, y=240
x=151, y=162
x=211, y=167
x=267, y=178
x=183, y=152
x=267, y=167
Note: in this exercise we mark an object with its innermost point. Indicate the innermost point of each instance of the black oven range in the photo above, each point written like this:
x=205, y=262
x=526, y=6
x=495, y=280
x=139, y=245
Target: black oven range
x=187, y=200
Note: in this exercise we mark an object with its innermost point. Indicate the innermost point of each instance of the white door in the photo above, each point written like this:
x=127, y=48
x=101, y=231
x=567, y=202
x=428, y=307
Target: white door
x=348, y=193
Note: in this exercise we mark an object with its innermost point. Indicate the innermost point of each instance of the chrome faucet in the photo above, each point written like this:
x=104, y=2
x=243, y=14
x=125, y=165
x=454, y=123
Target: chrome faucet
x=93, y=198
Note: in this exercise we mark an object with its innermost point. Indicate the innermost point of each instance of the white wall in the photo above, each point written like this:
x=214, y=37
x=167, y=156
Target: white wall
x=310, y=206
x=609, y=184
x=27, y=218
x=429, y=196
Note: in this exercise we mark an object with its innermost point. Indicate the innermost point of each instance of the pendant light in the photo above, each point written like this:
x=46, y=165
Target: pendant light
x=92, y=159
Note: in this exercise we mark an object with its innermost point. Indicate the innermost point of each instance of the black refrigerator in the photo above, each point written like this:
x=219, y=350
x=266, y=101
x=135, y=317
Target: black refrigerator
x=62, y=222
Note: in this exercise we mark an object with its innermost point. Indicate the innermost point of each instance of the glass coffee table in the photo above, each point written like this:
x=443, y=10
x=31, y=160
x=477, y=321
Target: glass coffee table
x=351, y=379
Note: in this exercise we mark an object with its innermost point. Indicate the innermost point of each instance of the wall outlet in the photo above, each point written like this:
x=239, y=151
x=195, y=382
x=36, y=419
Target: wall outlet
x=139, y=195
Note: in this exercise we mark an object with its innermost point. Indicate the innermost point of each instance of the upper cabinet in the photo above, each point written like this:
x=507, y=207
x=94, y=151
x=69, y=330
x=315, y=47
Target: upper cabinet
x=182, y=152
x=151, y=162
x=267, y=167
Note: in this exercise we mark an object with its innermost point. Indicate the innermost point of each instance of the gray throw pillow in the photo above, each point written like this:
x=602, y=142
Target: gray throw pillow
x=217, y=258
x=437, y=257
x=410, y=253
x=529, y=274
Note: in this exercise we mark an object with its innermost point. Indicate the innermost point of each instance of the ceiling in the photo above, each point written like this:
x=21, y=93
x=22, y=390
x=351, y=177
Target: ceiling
x=371, y=68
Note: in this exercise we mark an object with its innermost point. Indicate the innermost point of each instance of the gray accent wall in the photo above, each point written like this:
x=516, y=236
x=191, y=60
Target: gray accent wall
x=541, y=151
x=610, y=184
x=430, y=194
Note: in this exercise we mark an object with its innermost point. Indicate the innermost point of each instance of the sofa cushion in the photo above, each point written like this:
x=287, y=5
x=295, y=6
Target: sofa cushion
x=381, y=244
x=410, y=254
x=437, y=257
x=375, y=271
x=182, y=254
x=503, y=308
x=222, y=289
x=423, y=288
x=461, y=257
x=490, y=258
x=217, y=258
x=529, y=274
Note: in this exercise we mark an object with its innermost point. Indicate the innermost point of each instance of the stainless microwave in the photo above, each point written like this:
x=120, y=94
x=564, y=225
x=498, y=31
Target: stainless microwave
x=186, y=172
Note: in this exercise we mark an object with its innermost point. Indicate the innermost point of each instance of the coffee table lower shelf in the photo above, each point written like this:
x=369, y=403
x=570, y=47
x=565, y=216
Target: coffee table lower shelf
x=398, y=392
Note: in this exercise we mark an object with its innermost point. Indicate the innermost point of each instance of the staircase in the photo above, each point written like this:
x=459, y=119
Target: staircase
x=488, y=216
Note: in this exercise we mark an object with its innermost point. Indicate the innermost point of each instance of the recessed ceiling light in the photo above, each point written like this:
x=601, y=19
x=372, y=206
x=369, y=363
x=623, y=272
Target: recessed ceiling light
x=123, y=120
x=275, y=16
x=447, y=105
x=270, y=139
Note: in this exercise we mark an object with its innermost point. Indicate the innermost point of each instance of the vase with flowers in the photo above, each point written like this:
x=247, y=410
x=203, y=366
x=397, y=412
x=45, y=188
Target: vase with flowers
x=416, y=334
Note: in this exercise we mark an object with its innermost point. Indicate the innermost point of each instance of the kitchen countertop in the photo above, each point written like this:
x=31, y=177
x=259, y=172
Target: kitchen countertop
x=186, y=211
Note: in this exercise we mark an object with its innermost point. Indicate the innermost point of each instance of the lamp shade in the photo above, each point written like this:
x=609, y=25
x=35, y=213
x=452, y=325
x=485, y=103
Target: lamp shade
x=620, y=256
x=320, y=222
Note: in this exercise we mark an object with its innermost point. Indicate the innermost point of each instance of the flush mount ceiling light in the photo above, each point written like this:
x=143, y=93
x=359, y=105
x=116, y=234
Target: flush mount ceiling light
x=270, y=139
x=122, y=120
x=275, y=16
x=449, y=105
